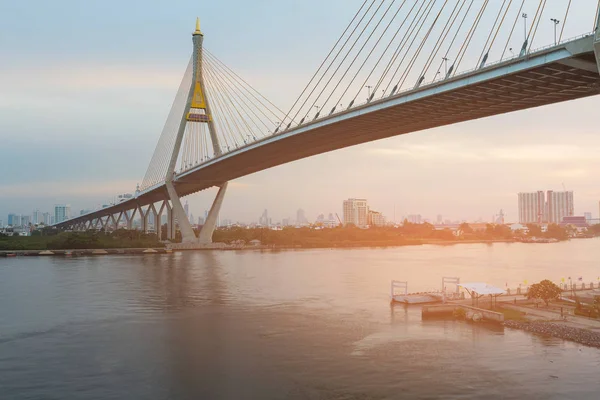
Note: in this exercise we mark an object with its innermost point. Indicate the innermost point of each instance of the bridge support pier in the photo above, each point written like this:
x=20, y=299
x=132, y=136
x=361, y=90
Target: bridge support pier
x=210, y=224
x=187, y=232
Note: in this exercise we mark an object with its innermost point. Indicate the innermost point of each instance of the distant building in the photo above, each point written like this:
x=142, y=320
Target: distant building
x=25, y=220
x=46, y=218
x=531, y=207
x=62, y=212
x=200, y=221
x=38, y=217
x=356, y=211
x=264, y=219
x=376, y=218
x=301, y=217
x=576, y=221
x=440, y=219
x=12, y=219
x=415, y=219
x=186, y=209
x=588, y=217
x=558, y=206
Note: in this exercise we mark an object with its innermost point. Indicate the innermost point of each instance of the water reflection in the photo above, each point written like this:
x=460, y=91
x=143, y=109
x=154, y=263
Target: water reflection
x=273, y=325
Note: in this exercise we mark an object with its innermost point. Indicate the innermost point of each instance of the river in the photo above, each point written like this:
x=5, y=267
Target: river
x=306, y=324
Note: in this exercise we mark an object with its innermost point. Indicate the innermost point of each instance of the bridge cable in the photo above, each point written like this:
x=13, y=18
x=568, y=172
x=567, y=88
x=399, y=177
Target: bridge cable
x=344, y=59
x=234, y=127
x=596, y=17
x=420, y=22
x=565, y=21
x=483, y=54
x=394, y=54
x=444, y=34
x=378, y=61
x=470, y=35
x=325, y=60
x=156, y=171
x=242, y=95
x=537, y=24
x=366, y=58
x=445, y=58
x=512, y=30
x=221, y=111
x=401, y=45
x=420, y=48
x=235, y=77
x=234, y=100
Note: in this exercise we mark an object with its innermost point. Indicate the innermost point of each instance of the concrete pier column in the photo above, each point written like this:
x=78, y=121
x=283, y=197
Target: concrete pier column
x=170, y=222
x=187, y=232
x=158, y=221
x=210, y=224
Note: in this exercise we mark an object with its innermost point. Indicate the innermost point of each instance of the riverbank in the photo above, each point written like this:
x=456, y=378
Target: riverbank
x=559, y=330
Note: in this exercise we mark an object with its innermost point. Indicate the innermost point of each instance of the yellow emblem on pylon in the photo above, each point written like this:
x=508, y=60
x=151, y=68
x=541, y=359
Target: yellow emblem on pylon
x=198, y=100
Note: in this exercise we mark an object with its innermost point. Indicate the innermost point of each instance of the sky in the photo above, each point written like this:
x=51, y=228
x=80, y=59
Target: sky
x=85, y=88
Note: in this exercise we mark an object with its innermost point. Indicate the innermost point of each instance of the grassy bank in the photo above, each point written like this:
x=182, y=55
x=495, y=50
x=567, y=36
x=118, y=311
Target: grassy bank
x=80, y=240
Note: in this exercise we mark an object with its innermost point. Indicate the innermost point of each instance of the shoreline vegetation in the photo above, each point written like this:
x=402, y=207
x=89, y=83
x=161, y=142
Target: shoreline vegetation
x=235, y=237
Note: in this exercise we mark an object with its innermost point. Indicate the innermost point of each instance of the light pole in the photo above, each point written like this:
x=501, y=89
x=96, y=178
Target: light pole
x=446, y=59
x=524, y=25
x=556, y=22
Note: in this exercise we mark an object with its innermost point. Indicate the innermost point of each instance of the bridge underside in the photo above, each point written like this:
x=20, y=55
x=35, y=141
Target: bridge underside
x=561, y=79
x=547, y=84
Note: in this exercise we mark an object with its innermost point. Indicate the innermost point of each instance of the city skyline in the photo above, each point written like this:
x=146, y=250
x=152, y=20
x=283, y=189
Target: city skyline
x=475, y=166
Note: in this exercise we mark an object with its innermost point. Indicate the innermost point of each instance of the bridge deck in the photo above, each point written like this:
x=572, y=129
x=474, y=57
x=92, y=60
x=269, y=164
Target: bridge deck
x=561, y=73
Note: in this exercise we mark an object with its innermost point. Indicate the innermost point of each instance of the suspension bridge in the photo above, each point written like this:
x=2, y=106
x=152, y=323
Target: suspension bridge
x=424, y=63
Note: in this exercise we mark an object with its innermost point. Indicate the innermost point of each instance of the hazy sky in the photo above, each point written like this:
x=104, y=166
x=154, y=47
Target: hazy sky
x=85, y=87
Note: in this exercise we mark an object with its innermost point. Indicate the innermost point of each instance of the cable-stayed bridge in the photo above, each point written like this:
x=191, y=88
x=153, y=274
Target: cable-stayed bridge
x=422, y=63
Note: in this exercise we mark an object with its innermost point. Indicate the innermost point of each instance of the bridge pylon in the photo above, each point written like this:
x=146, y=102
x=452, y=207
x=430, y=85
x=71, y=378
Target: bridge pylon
x=197, y=110
x=597, y=39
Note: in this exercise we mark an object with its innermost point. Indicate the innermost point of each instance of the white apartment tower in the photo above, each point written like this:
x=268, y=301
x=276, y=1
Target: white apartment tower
x=62, y=212
x=559, y=205
x=550, y=207
x=356, y=211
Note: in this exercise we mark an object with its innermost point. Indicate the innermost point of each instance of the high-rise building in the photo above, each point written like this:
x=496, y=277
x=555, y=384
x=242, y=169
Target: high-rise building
x=38, y=217
x=186, y=208
x=588, y=216
x=558, y=206
x=550, y=207
x=200, y=221
x=531, y=207
x=11, y=219
x=376, y=218
x=264, y=219
x=62, y=212
x=46, y=218
x=25, y=220
x=415, y=219
x=440, y=219
x=301, y=217
x=356, y=212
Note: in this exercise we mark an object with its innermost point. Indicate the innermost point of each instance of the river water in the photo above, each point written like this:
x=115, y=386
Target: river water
x=306, y=324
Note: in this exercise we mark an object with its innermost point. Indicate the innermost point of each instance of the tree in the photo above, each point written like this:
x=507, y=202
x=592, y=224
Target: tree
x=534, y=230
x=466, y=228
x=545, y=290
